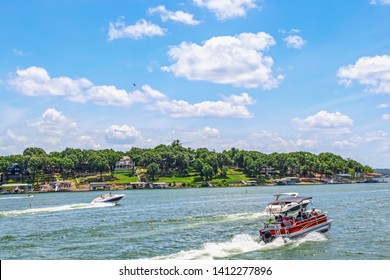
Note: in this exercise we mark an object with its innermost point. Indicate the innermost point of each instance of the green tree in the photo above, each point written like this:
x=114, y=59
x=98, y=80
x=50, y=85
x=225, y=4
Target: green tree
x=207, y=172
x=99, y=163
x=112, y=158
x=153, y=171
x=34, y=151
x=198, y=165
x=224, y=171
x=36, y=165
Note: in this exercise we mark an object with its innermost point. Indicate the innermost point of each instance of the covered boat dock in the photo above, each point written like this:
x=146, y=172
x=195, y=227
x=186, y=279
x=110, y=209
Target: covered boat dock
x=16, y=188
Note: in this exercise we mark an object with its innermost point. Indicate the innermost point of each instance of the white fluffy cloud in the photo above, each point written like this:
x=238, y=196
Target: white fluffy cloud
x=308, y=143
x=234, y=106
x=124, y=134
x=324, y=120
x=110, y=95
x=294, y=41
x=377, y=136
x=373, y=72
x=379, y=2
x=152, y=93
x=265, y=141
x=227, y=9
x=35, y=81
x=142, y=28
x=10, y=142
x=237, y=60
x=54, y=123
x=178, y=16
x=344, y=144
x=210, y=132
x=204, y=133
x=384, y=106
x=53, y=129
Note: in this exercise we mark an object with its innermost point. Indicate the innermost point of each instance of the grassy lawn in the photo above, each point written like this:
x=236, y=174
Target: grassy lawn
x=232, y=176
x=236, y=175
x=124, y=178
x=184, y=180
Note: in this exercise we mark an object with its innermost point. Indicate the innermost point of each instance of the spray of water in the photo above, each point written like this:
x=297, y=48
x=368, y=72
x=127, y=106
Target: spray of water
x=240, y=244
x=67, y=207
x=15, y=197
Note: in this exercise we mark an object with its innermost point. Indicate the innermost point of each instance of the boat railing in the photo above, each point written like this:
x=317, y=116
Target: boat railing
x=316, y=219
x=278, y=225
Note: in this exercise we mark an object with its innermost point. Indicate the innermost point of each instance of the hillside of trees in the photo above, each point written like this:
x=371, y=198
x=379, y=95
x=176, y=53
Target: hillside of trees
x=384, y=171
x=37, y=166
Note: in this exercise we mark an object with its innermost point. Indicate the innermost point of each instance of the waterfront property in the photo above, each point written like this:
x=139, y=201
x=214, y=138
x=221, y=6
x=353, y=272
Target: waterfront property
x=56, y=186
x=125, y=164
x=16, y=188
x=99, y=186
x=288, y=181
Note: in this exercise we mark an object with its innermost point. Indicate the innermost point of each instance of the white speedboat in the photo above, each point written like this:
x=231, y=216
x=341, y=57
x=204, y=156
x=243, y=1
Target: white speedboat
x=108, y=198
x=287, y=203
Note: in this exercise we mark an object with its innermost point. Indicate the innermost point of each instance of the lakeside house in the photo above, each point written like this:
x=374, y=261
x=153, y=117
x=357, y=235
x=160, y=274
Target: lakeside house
x=12, y=172
x=269, y=171
x=125, y=164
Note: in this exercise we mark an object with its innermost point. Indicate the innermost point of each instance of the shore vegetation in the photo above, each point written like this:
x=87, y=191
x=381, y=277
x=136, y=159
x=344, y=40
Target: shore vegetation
x=173, y=164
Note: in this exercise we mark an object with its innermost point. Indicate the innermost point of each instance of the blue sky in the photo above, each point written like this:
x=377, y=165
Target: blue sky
x=265, y=75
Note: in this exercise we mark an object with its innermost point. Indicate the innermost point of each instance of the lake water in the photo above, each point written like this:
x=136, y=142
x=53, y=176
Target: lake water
x=206, y=223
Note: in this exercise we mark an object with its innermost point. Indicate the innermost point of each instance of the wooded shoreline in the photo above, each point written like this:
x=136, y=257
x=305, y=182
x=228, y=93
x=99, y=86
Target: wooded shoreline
x=175, y=166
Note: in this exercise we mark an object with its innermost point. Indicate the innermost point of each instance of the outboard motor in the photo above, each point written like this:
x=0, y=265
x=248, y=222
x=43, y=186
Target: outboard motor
x=266, y=236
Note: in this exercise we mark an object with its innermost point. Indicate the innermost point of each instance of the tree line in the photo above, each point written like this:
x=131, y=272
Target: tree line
x=176, y=160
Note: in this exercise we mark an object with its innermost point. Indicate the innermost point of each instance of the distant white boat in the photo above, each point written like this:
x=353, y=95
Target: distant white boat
x=108, y=198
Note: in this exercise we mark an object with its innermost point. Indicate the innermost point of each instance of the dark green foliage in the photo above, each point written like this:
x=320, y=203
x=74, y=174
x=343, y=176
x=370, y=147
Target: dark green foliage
x=176, y=160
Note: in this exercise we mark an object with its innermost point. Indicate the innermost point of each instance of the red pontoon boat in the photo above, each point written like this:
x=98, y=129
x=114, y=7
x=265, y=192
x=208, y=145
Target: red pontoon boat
x=295, y=226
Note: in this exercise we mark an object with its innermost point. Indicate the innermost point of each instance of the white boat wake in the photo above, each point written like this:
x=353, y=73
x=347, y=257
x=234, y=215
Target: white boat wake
x=53, y=209
x=16, y=197
x=239, y=244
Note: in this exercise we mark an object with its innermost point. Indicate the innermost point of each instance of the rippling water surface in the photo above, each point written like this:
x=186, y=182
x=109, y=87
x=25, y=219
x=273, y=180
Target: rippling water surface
x=207, y=223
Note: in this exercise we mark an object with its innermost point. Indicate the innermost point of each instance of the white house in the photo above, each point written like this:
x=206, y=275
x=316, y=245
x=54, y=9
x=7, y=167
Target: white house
x=124, y=164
